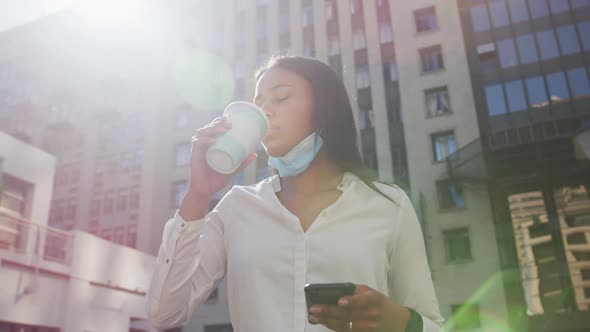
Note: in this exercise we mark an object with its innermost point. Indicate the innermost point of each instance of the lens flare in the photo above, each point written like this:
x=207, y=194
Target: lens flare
x=204, y=80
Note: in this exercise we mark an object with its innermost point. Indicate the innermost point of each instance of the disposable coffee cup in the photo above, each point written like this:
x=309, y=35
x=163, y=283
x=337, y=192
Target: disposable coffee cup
x=249, y=125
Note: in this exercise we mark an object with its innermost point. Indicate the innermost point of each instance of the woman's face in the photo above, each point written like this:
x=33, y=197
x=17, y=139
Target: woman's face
x=287, y=100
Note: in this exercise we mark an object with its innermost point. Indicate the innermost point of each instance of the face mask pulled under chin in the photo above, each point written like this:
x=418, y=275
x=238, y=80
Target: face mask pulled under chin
x=299, y=158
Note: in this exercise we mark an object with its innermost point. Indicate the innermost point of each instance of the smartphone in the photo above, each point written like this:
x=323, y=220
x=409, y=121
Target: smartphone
x=327, y=293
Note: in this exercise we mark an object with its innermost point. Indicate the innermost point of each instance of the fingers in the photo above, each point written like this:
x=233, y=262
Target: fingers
x=361, y=300
x=206, y=136
x=212, y=130
x=329, y=311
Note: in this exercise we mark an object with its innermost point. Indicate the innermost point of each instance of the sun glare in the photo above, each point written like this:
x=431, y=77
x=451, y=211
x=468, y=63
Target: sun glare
x=109, y=11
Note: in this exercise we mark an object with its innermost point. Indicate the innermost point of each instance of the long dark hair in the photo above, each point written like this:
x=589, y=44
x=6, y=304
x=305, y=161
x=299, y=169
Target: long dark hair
x=333, y=114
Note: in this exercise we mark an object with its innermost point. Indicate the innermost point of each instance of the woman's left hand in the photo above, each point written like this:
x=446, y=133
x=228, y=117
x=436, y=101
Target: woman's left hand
x=367, y=310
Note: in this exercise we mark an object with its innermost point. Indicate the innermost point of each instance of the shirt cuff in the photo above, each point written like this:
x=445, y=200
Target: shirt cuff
x=429, y=325
x=182, y=225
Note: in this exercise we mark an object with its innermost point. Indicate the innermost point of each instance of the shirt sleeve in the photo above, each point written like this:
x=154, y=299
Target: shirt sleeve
x=410, y=281
x=191, y=262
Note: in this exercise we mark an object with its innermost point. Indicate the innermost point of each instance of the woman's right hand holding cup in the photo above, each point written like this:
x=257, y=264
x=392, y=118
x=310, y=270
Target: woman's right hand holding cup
x=204, y=181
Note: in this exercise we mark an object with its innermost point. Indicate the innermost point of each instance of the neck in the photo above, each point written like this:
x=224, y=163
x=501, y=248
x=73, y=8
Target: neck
x=321, y=175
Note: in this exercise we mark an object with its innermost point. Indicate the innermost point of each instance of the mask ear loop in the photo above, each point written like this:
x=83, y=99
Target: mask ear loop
x=318, y=135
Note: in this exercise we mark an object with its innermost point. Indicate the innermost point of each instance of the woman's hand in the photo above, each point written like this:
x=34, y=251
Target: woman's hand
x=204, y=180
x=368, y=310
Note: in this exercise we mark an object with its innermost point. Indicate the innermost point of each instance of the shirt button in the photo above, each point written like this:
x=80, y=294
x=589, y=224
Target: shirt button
x=182, y=225
x=167, y=260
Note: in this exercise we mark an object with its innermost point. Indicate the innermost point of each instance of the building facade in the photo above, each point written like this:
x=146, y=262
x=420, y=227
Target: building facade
x=529, y=70
x=468, y=105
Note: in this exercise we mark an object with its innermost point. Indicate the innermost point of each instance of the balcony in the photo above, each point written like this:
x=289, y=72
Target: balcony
x=467, y=164
x=19, y=238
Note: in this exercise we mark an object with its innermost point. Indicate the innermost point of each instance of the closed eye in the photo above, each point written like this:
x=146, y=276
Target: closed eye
x=280, y=100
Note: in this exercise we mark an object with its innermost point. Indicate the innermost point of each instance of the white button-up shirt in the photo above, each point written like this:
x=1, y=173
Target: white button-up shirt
x=260, y=246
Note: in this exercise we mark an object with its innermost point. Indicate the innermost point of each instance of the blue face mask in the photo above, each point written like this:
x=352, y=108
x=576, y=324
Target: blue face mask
x=299, y=158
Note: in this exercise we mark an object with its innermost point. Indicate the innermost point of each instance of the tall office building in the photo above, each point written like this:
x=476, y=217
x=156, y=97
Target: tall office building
x=529, y=65
x=468, y=105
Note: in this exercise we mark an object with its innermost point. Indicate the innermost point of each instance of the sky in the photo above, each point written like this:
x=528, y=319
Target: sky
x=16, y=12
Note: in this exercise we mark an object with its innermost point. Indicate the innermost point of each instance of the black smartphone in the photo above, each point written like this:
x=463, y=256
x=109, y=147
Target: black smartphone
x=327, y=293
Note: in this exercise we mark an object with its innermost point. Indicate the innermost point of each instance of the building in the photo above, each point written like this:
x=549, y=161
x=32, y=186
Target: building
x=55, y=280
x=468, y=105
x=529, y=70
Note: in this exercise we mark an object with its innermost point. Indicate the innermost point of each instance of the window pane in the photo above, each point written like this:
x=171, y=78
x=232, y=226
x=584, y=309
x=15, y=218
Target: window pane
x=558, y=6
x=479, y=18
x=580, y=3
x=527, y=49
x=584, y=28
x=568, y=39
x=578, y=82
x=437, y=101
x=518, y=11
x=536, y=89
x=547, y=44
x=495, y=99
x=538, y=8
x=425, y=19
x=431, y=59
x=507, y=53
x=498, y=13
x=557, y=87
x=515, y=94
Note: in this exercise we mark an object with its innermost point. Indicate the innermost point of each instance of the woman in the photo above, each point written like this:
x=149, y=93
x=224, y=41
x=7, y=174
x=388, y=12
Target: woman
x=322, y=219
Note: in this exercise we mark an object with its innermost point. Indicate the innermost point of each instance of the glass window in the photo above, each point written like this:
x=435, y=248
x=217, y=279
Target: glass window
x=518, y=10
x=578, y=79
x=558, y=91
x=385, y=33
x=558, y=6
x=507, y=53
x=367, y=119
x=183, y=154
x=432, y=59
x=457, y=245
x=425, y=19
x=358, y=39
x=495, y=99
x=568, y=39
x=393, y=71
x=547, y=44
x=538, y=8
x=362, y=77
x=515, y=95
x=498, y=13
x=333, y=45
x=182, y=118
x=307, y=16
x=437, y=101
x=479, y=18
x=444, y=145
x=535, y=87
x=450, y=195
x=527, y=49
x=284, y=24
x=584, y=28
x=580, y=3
x=330, y=10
